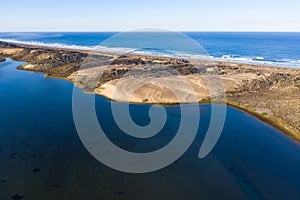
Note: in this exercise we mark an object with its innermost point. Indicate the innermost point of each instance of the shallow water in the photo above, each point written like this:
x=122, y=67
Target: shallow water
x=42, y=157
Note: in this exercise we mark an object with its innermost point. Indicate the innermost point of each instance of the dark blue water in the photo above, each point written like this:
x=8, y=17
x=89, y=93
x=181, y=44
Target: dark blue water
x=42, y=157
x=279, y=49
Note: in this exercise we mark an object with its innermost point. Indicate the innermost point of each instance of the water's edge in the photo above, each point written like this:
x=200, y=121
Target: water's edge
x=269, y=121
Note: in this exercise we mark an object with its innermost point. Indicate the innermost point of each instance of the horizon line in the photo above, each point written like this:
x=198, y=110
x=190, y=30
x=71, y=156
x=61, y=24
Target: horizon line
x=162, y=30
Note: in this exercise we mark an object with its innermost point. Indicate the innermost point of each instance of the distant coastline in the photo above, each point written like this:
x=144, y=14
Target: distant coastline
x=268, y=93
x=238, y=47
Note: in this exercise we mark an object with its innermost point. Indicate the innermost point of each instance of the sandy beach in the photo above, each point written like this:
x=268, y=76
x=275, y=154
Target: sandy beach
x=269, y=93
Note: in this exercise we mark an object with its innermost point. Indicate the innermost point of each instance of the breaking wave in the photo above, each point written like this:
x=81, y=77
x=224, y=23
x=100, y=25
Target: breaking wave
x=166, y=53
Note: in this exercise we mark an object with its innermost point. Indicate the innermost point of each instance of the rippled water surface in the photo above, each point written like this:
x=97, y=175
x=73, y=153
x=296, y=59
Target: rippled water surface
x=42, y=157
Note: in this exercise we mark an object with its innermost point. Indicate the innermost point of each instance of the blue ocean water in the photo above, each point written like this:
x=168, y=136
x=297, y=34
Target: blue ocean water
x=279, y=49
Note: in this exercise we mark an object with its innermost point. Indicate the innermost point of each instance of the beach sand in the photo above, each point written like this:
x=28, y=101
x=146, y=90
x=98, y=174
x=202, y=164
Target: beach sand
x=270, y=93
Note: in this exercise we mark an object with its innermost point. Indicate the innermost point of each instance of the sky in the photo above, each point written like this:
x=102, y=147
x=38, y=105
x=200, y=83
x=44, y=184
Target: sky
x=127, y=15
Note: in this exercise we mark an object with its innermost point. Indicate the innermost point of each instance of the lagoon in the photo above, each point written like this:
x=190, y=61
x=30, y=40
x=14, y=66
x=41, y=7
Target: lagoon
x=42, y=156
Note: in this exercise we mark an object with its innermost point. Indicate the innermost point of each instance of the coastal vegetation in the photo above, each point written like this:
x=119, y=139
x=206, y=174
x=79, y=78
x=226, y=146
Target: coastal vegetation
x=264, y=114
x=268, y=93
x=2, y=59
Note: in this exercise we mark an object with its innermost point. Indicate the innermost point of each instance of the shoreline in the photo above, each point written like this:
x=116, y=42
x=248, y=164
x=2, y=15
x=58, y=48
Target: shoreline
x=85, y=49
x=269, y=121
x=246, y=85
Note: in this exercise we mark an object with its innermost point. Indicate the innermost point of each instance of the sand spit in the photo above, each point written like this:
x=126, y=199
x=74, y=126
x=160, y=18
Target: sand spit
x=270, y=93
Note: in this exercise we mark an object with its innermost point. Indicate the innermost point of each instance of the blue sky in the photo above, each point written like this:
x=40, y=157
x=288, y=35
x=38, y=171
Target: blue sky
x=122, y=15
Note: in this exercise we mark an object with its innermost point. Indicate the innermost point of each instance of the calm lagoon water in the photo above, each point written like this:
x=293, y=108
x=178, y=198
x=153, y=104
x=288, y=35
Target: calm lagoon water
x=42, y=157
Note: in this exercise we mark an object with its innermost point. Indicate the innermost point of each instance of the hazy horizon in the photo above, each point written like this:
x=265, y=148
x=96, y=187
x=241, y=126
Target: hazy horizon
x=116, y=16
x=164, y=30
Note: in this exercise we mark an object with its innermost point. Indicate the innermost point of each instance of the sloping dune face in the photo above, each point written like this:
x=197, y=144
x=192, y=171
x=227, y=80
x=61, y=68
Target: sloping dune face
x=270, y=92
x=166, y=90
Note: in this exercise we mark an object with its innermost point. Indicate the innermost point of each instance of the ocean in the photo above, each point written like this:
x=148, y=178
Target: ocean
x=265, y=48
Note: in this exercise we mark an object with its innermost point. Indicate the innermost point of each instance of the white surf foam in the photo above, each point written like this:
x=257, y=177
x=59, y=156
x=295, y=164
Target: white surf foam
x=75, y=47
x=123, y=50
